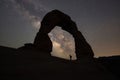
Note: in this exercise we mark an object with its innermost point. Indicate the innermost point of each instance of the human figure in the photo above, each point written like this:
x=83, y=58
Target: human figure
x=70, y=57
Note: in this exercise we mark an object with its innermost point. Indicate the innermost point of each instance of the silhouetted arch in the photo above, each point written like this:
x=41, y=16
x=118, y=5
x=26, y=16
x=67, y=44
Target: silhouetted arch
x=57, y=18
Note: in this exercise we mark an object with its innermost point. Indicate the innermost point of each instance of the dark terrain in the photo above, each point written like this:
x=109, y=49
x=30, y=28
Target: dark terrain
x=34, y=65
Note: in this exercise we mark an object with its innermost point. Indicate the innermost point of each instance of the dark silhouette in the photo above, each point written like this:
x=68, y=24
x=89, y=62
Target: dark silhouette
x=70, y=57
x=43, y=42
x=34, y=62
x=57, y=18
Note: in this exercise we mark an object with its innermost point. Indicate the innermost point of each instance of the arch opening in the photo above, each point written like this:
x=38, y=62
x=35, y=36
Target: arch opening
x=63, y=44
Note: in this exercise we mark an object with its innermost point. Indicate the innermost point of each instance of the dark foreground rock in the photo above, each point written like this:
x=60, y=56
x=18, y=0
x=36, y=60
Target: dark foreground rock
x=35, y=65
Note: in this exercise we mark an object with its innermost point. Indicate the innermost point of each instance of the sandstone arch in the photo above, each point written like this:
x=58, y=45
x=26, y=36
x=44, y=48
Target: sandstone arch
x=57, y=18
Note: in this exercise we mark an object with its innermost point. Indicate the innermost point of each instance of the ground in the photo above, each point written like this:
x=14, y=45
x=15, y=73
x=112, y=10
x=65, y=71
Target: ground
x=34, y=65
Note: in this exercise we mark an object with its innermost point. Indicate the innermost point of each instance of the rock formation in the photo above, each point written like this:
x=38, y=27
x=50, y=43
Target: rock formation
x=57, y=18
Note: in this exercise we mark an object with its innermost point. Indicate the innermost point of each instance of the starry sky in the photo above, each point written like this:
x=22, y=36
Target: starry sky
x=98, y=20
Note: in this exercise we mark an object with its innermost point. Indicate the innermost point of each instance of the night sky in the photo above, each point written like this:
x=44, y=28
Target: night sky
x=98, y=20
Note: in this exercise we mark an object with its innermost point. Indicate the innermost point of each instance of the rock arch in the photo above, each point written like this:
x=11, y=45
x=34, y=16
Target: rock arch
x=58, y=18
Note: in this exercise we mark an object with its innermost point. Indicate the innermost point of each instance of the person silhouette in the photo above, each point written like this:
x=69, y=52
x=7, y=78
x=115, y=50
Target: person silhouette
x=70, y=57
